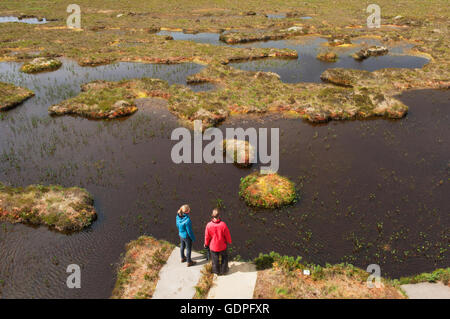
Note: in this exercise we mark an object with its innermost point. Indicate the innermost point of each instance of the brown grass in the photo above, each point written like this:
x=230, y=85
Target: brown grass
x=205, y=282
x=139, y=272
x=338, y=282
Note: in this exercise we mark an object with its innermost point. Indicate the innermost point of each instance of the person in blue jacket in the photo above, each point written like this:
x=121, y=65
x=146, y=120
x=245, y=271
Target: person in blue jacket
x=186, y=233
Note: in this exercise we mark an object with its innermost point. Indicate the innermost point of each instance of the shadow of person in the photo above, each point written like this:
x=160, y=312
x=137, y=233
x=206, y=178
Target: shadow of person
x=235, y=267
x=200, y=260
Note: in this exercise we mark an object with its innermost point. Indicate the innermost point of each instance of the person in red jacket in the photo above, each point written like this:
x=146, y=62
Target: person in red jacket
x=217, y=236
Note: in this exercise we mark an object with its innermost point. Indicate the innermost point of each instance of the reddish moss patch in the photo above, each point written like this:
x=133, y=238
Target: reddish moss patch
x=267, y=191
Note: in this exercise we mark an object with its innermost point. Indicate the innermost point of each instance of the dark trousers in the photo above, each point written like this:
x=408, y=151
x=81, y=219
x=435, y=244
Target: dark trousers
x=186, y=243
x=219, y=262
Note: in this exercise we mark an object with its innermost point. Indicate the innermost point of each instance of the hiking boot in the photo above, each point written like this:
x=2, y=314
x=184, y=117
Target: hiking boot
x=191, y=263
x=183, y=260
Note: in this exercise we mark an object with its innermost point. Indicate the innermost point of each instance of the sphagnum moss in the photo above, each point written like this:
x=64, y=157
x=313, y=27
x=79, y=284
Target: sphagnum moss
x=267, y=191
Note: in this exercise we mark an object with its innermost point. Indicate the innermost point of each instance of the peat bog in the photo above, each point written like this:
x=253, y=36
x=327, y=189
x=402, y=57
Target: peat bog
x=371, y=191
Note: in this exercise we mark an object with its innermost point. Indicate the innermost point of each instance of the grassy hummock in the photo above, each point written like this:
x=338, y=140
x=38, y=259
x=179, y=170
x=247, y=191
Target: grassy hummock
x=368, y=52
x=261, y=35
x=139, y=271
x=267, y=191
x=107, y=100
x=327, y=56
x=11, y=95
x=63, y=209
x=282, y=277
x=242, y=152
x=41, y=65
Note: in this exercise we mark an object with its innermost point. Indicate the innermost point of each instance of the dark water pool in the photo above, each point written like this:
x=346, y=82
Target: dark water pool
x=203, y=37
x=371, y=191
x=24, y=20
x=283, y=15
x=307, y=68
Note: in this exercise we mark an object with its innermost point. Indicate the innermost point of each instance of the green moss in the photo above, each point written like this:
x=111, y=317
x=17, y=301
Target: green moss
x=441, y=274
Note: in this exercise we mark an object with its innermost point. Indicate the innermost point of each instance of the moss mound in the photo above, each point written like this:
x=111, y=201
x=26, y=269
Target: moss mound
x=64, y=209
x=41, y=65
x=267, y=191
x=242, y=152
x=11, y=95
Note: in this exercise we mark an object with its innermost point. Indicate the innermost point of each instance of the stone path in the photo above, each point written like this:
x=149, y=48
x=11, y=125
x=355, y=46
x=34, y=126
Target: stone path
x=427, y=290
x=176, y=280
x=239, y=283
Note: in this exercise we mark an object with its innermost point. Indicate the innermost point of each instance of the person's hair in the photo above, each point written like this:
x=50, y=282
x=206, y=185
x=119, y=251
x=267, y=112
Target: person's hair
x=215, y=213
x=183, y=209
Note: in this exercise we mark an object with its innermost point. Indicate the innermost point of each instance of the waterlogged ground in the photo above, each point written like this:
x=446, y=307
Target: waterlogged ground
x=307, y=68
x=370, y=191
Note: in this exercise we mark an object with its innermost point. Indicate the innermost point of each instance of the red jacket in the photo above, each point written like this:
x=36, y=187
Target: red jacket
x=217, y=236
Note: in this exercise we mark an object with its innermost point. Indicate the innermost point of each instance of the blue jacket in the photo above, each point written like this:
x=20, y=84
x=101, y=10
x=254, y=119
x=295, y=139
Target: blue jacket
x=184, y=225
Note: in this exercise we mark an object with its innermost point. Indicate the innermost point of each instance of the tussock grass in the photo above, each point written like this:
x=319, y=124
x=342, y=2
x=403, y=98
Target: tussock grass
x=64, y=209
x=205, y=282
